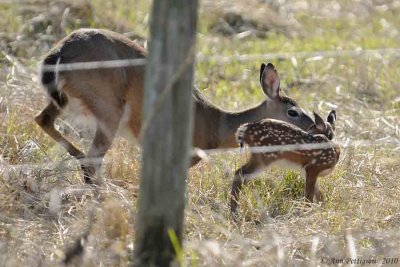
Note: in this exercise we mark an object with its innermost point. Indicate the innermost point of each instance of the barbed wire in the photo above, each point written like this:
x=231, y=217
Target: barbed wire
x=313, y=55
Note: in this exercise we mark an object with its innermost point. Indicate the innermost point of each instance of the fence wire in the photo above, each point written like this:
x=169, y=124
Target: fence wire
x=206, y=153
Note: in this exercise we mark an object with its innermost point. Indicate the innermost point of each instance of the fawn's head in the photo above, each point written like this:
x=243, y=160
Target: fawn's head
x=280, y=106
x=326, y=128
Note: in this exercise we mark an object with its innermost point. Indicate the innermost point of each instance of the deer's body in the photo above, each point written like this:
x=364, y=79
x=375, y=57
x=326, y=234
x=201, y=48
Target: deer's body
x=114, y=97
x=313, y=162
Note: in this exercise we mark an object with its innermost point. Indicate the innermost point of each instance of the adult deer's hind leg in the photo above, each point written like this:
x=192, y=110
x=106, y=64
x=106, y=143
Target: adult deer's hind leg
x=106, y=128
x=100, y=145
x=45, y=120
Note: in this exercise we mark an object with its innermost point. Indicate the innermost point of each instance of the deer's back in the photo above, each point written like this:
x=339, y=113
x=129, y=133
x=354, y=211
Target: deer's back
x=92, y=45
x=97, y=45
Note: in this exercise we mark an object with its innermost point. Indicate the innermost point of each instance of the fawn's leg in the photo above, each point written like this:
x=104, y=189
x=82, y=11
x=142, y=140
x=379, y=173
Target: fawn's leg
x=311, y=184
x=318, y=195
x=246, y=172
x=45, y=120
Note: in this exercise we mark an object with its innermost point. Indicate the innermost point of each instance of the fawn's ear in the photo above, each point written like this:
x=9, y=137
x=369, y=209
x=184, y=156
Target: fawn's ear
x=319, y=122
x=332, y=118
x=269, y=80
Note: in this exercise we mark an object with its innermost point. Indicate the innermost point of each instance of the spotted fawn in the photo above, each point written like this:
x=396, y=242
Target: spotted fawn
x=312, y=161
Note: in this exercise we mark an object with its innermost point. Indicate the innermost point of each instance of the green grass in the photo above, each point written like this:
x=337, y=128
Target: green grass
x=276, y=224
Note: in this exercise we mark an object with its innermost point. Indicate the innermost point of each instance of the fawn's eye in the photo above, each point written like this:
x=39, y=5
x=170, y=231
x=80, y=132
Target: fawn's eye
x=293, y=113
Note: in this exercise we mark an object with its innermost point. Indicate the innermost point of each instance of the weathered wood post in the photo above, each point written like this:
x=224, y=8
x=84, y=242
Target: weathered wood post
x=166, y=131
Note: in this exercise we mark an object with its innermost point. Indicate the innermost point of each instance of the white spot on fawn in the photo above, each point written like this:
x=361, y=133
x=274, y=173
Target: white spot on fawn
x=316, y=153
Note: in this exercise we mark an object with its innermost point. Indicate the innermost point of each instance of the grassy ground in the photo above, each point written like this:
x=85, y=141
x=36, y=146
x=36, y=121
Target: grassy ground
x=45, y=208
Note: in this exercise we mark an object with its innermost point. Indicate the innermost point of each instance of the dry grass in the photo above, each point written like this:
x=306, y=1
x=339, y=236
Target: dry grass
x=45, y=209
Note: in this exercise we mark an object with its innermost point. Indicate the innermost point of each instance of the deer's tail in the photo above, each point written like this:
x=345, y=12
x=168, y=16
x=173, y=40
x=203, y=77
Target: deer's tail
x=49, y=78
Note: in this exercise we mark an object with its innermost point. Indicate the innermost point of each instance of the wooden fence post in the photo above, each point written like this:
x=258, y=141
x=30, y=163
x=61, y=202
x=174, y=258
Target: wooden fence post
x=166, y=131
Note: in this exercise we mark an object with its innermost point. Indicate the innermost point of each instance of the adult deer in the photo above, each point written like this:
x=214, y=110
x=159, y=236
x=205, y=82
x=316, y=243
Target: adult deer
x=312, y=161
x=114, y=97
